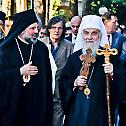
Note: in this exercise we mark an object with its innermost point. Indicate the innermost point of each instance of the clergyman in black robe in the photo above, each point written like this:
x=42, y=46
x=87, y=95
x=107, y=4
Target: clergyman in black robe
x=79, y=109
x=30, y=104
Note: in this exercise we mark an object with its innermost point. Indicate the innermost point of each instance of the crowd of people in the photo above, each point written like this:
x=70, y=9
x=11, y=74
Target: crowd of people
x=56, y=75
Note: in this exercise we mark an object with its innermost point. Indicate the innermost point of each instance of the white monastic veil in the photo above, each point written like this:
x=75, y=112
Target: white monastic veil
x=52, y=61
x=90, y=21
x=54, y=69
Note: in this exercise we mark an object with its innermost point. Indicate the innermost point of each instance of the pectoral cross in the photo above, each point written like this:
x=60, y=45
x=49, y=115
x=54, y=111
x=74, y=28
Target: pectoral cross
x=107, y=52
x=87, y=60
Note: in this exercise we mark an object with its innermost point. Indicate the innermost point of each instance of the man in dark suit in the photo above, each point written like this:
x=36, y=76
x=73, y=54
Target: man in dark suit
x=118, y=41
x=75, y=23
x=60, y=49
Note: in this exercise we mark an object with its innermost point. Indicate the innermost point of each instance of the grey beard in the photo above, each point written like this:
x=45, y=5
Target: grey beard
x=92, y=46
x=30, y=40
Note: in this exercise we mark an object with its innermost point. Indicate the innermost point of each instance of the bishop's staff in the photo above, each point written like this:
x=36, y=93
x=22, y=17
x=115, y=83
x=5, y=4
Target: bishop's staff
x=107, y=52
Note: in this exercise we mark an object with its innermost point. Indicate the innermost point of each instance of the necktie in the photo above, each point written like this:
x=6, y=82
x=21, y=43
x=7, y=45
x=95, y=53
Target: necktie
x=74, y=40
x=108, y=38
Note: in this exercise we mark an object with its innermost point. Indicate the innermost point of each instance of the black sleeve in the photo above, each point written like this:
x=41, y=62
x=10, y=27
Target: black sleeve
x=66, y=85
x=9, y=90
x=49, y=96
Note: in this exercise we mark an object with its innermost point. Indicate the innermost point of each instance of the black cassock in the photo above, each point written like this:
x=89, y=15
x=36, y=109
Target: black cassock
x=80, y=111
x=30, y=105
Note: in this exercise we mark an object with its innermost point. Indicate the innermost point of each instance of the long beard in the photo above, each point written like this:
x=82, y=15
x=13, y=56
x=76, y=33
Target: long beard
x=93, y=45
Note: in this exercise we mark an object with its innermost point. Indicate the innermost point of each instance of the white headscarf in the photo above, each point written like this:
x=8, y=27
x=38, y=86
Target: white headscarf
x=90, y=21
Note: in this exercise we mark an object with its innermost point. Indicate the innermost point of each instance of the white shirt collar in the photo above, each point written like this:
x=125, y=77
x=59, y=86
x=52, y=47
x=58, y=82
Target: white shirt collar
x=73, y=38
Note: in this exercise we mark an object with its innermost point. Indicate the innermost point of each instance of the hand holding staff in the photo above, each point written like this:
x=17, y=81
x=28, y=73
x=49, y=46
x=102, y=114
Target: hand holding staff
x=108, y=68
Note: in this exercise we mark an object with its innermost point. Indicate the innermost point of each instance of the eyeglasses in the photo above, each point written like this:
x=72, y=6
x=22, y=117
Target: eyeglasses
x=54, y=28
x=43, y=33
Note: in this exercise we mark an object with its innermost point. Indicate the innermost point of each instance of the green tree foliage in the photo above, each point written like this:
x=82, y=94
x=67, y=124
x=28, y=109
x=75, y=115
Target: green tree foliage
x=116, y=6
x=90, y=7
x=53, y=9
x=57, y=10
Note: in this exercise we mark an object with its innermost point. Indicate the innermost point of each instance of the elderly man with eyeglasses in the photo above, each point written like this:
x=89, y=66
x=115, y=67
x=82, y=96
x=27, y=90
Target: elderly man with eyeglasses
x=60, y=49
